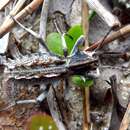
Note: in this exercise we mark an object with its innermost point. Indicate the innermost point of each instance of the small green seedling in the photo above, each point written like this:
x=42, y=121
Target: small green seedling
x=54, y=44
x=41, y=122
x=81, y=81
x=54, y=41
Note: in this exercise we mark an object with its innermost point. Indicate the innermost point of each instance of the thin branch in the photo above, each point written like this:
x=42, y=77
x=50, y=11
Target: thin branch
x=23, y=13
x=125, y=31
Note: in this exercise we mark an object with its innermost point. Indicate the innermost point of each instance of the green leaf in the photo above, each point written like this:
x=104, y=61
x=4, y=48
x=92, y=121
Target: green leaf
x=89, y=82
x=76, y=79
x=41, y=122
x=72, y=35
x=81, y=81
x=54, y=43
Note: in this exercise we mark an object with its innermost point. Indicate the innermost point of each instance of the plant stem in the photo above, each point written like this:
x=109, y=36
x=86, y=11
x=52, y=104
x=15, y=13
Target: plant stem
x=86, y=108
x=85, y=25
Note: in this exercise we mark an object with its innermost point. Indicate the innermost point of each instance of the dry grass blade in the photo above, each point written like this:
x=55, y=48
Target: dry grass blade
x=43, y=23
x=115, y=35
x=43, y=20
x=54, y=109
x=23, y=13
x=109, y=18
x=126, y=119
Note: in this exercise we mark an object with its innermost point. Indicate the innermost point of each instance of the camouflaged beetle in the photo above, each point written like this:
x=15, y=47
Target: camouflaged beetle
x=46, y=65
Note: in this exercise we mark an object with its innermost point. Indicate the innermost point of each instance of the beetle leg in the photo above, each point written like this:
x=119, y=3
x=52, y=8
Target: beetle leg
x=38, y=100
x=17, y=103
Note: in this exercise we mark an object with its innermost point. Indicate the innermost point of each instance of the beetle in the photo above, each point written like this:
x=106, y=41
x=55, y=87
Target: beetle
x=45, y=65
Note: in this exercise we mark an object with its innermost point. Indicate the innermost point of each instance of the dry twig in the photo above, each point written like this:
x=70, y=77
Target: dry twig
x=23, y=13
x=125, y=31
